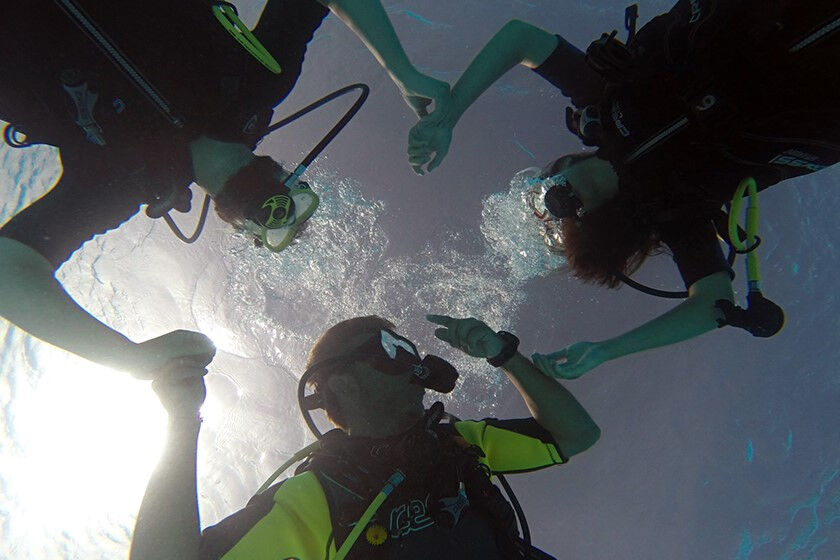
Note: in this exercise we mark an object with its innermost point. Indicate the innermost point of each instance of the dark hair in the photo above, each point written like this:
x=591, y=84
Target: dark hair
x=332, y=344
x=608, y=241
x=256, y=182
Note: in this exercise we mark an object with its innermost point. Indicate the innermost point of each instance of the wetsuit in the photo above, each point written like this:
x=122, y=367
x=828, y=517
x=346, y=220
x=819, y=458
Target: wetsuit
x=720, y=91
x=430, y=515
x=218, y=89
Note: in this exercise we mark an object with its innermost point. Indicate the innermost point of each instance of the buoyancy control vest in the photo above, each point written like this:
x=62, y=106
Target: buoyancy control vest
x=445, y=483
x=61, y=88
x=720, y=90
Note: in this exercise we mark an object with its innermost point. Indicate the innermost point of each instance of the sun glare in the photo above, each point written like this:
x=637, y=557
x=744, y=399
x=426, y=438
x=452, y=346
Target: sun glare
x=87, y=439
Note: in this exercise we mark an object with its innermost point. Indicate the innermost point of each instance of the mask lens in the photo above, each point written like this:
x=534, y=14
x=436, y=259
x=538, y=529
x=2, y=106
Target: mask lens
x=561, y=201
x=391, y=344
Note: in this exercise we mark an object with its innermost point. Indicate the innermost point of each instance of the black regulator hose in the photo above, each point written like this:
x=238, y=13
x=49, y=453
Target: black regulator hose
x=310, y=157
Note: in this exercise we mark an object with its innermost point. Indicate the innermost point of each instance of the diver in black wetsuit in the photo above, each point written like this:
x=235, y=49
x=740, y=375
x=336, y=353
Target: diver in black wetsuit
x=699, y=99
x=121, y=146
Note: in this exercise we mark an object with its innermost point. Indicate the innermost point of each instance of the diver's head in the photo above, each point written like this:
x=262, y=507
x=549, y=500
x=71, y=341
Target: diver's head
x=583, y=182
x=363, y=373
x=601, y=237
x=256, y=194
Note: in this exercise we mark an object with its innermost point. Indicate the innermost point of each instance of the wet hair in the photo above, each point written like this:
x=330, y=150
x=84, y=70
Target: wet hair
x=608, y=241
x=256, y=182
x=334, y=343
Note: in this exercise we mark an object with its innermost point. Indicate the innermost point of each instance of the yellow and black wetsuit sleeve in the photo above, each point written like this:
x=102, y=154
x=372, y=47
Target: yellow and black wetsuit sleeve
x=218, y=539
x=290, y=520
x=512, y=446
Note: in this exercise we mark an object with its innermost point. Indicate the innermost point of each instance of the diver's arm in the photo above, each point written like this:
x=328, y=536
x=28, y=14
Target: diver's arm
x=553, y=406
x=550, y=403
x=167, y=524
x=32, y=299
x=695, y=316
x=517, y=42
x=367, y=18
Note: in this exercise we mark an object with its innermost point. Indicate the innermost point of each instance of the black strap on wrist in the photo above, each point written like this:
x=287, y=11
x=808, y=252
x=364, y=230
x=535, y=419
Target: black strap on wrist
x=508, y=350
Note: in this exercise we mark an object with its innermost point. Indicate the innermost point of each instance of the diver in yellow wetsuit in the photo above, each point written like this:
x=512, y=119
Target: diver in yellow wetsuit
x=436, y=500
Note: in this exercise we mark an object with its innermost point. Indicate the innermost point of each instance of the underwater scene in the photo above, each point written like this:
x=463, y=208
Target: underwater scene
x=720, y=445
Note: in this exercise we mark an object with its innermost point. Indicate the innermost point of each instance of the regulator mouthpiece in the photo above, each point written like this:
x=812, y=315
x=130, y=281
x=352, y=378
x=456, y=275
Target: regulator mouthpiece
x=436, y=374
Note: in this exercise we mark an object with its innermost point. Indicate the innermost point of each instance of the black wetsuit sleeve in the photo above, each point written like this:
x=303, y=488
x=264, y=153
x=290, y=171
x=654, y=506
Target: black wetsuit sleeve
x=566, y=69
x=285, y=28
x=80, y=206
x=695, y=249
x=217, y=540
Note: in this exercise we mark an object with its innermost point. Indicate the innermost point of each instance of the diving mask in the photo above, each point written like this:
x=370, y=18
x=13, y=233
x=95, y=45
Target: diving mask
x=551, y=231
x=396, y=355
x=561, y=200
x=277, y=220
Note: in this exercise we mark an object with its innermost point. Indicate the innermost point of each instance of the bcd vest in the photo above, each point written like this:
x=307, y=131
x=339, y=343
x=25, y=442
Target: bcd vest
x=748, y=87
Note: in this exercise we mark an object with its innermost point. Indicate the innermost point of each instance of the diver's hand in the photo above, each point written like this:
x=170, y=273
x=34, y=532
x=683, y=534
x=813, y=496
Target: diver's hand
x=571, y=362
x=470, y=335
x=182, y=398
x=430, y=136
x=420, y=91
x=172, y=356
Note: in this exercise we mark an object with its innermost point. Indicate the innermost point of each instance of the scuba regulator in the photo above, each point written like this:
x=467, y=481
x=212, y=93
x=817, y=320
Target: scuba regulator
x=762, y=317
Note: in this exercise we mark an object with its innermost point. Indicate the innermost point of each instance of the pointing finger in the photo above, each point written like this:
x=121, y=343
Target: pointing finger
x=444, y=320
x=444, y=334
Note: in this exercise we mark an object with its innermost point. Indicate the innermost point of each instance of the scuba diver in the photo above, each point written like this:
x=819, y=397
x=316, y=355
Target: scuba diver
x=142, y=99
x=391, y=481
x=706, y=100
